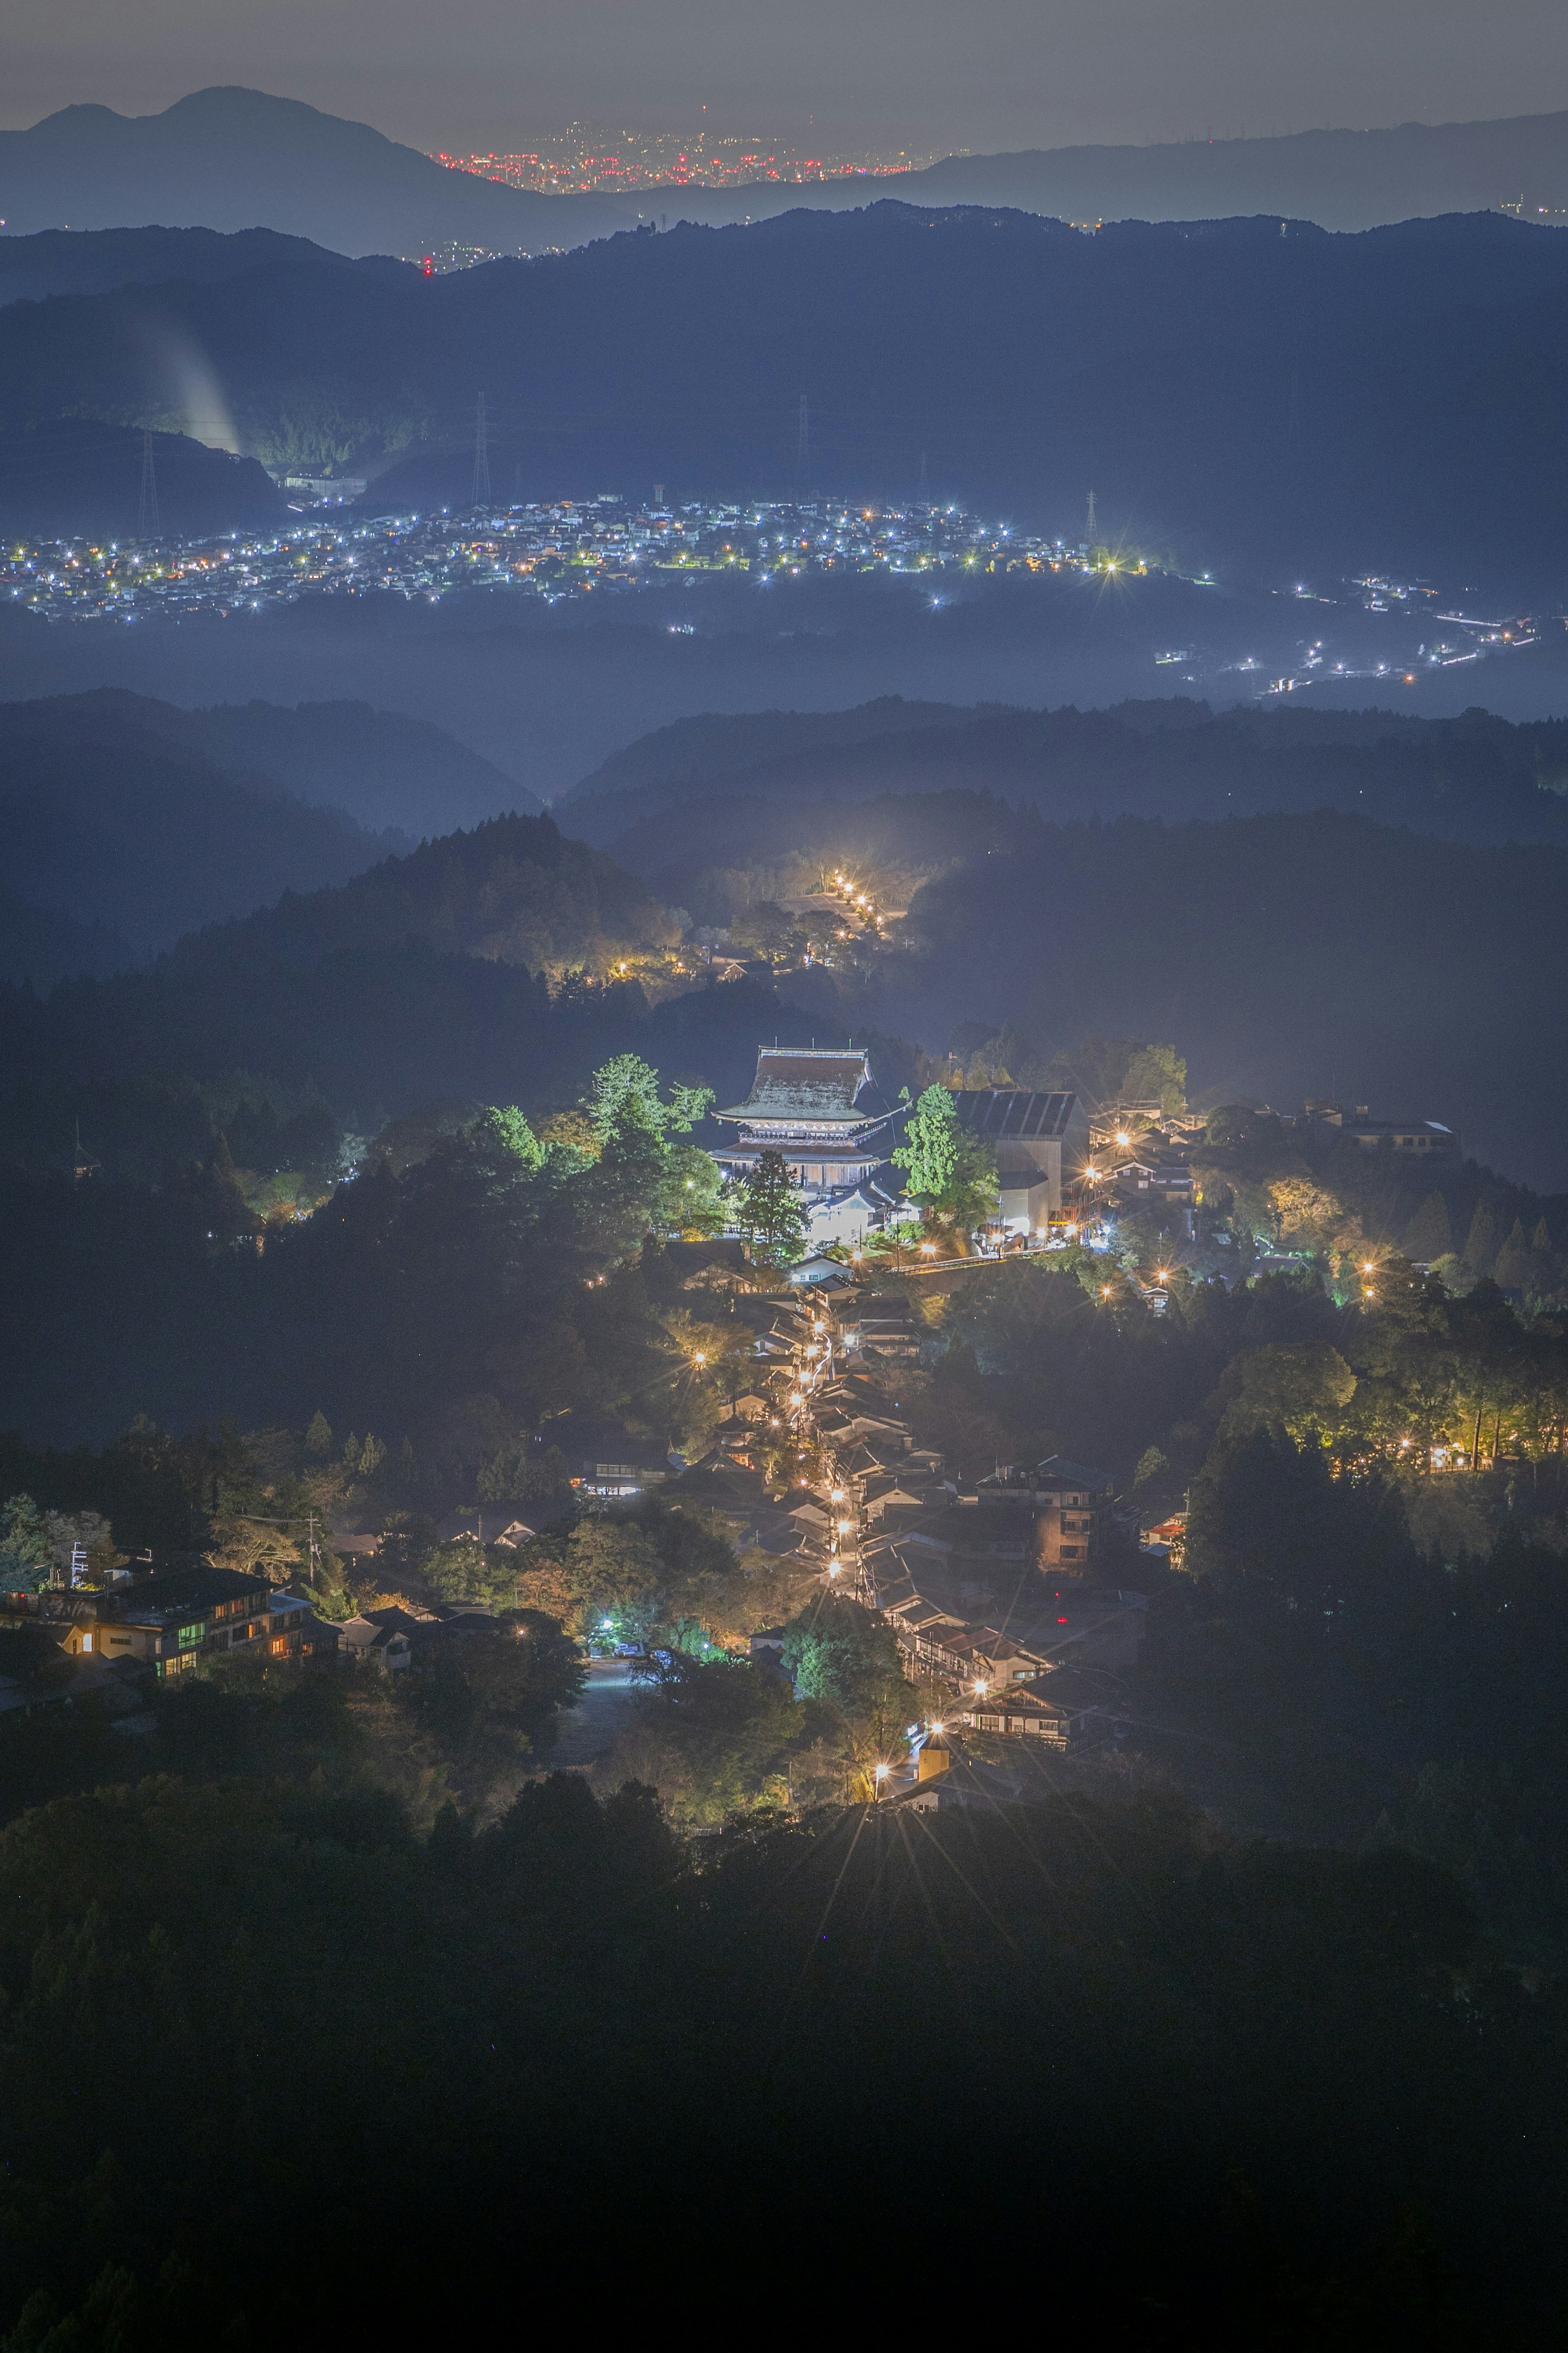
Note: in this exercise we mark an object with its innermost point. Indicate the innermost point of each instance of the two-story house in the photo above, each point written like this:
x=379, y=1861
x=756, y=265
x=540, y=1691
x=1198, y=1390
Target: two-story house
x=1069, y=1501
x=165, y=1618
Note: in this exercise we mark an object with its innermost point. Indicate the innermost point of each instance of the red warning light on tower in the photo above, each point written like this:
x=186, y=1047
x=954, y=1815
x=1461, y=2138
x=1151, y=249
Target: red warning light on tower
x=429, y=265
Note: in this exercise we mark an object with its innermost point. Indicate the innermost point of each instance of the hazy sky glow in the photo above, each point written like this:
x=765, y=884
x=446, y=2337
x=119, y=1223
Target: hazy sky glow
x=983, y=74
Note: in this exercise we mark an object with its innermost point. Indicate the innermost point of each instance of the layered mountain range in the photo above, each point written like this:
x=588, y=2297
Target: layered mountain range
x=235, y=158
x=1254, y=396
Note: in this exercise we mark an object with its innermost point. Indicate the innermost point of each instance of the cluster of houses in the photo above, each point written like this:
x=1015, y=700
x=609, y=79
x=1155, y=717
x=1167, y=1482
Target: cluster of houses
x=65, y=1645
x=1004, y=1594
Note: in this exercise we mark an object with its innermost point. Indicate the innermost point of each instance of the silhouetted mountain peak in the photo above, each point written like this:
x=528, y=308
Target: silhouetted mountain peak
x=233, y=158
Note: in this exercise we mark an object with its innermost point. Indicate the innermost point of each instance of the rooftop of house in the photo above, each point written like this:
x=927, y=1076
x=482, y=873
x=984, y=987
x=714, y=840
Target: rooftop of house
x=812, y=1082
x=161, y=1594
x=1056, y=1473
x=1001, y=1112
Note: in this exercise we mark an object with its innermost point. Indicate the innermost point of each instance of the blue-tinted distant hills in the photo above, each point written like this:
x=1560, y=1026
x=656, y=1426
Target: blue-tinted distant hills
x=147, y=821
x=719, y=792
x=1340, y=179
x=91, y=261
x=69, y=477
x=238, y=159
x=1266, y=403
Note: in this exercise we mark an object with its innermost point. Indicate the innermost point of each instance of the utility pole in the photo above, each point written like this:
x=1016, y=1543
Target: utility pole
x=803, y=440
x=148, y=525
x=481, y=497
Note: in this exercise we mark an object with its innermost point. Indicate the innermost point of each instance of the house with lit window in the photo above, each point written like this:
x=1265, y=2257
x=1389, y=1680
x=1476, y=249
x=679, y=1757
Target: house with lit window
x=165, y=1618
x=1065, y=1709
x=1411, y=1139
x=1070, y=1504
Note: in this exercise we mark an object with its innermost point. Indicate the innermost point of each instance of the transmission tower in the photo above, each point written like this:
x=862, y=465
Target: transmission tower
x=481, y=497
x=1090, y=527
x=803, y=440
x=147, y=523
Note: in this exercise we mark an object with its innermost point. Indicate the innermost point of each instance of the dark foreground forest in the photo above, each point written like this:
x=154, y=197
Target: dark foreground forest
x=274, y=2065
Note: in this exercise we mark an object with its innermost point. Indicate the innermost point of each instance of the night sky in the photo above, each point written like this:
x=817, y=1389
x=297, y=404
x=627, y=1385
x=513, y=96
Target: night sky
x=985, y=74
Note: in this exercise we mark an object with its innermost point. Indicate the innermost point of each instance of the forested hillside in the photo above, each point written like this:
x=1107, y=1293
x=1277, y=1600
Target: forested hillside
x=1475, y=778
x=115, y=807
x=1169, y=361
x=67, y=472
x=89, y=261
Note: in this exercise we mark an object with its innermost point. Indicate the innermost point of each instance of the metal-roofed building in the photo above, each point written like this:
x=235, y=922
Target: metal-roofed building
x=1036, y=1137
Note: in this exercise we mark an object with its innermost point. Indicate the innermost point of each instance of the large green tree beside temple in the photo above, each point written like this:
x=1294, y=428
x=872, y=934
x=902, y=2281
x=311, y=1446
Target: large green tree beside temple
x=950, y=1171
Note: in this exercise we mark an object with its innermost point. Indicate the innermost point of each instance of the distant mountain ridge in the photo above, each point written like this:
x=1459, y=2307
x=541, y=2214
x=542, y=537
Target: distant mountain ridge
x=383, y=767
x=239, y=159
x=231, y=158
x=672, y=761
x=91, y=261
x=1477, y=778
x=139, y=819
x=1262, y=403
x=1339, y=179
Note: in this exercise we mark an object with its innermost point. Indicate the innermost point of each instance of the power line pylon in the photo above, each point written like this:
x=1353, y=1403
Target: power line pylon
x=481, y=497
x=147, y=523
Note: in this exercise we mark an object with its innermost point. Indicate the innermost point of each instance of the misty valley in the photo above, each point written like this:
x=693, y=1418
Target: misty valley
x=784, y=1222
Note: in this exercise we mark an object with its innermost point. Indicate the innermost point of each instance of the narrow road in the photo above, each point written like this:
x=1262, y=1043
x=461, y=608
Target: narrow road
x=588, y=1730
